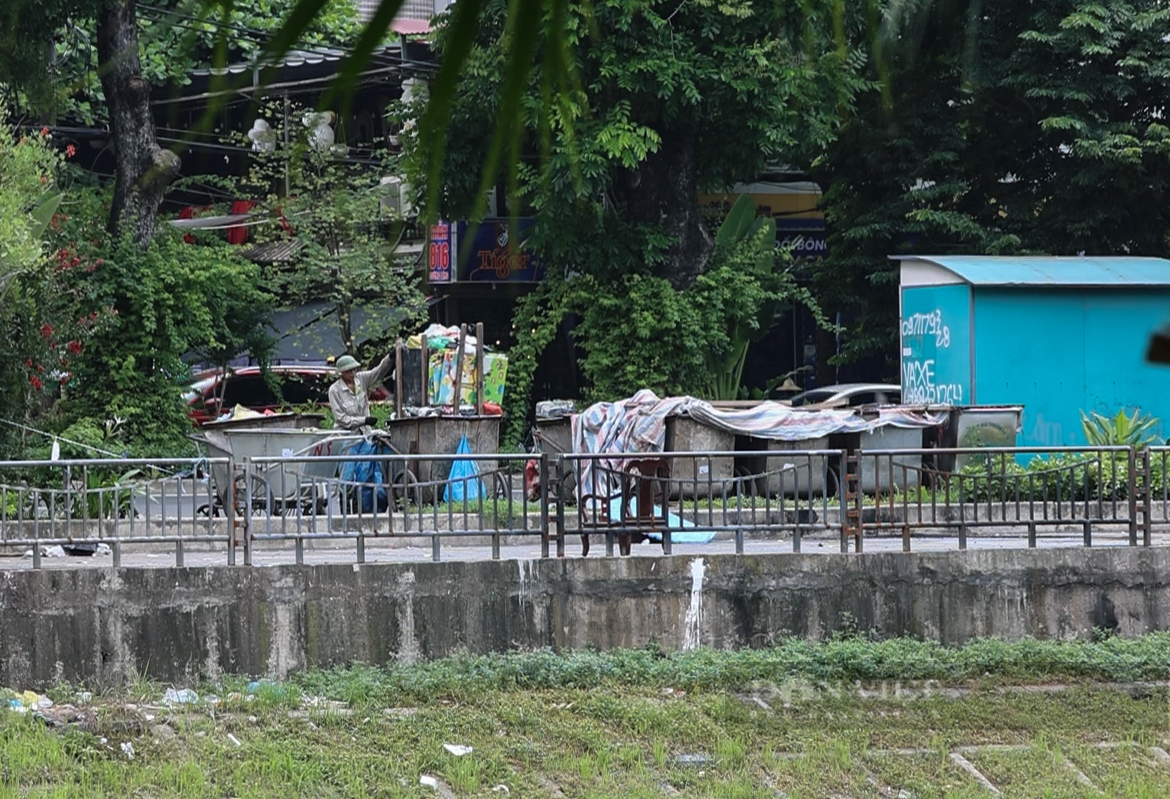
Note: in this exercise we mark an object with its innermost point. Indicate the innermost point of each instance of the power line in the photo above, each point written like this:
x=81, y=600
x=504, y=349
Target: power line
x=302, y=84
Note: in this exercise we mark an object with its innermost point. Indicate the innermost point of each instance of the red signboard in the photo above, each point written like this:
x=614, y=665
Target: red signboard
x=442, y=253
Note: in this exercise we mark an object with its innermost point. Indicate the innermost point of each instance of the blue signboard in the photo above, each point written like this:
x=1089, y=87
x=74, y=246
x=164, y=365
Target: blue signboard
x=496, y=254
x=936, y=345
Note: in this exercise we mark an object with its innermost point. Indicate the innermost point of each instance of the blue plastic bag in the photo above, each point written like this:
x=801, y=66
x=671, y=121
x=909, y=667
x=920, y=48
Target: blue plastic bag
x=372, y=495
x=463, y=482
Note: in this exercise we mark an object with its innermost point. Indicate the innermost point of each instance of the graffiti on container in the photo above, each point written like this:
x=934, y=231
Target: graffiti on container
x=927, y=324
x=919, y=383
x=919, y=386
x=1045, y=433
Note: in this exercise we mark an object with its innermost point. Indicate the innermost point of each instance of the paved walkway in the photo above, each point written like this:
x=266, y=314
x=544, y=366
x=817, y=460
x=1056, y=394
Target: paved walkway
x=415, y=550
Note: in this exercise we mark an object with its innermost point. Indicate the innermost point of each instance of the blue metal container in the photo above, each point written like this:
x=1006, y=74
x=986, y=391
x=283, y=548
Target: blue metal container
x=1056, y=335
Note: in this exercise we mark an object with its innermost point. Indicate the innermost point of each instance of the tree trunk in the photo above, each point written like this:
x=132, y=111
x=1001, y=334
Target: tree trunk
x=143, y=169
x=664, y=191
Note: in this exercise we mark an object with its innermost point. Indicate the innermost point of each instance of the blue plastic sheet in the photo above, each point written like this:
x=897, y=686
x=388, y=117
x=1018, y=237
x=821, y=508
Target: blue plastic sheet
x=682, y=530
x=372, y=495
x=463, y=481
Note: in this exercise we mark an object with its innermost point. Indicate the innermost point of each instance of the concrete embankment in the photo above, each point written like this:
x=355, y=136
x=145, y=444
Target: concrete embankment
x=106, y=625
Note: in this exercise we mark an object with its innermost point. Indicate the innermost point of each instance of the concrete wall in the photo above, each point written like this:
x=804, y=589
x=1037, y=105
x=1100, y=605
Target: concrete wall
x=105, y=625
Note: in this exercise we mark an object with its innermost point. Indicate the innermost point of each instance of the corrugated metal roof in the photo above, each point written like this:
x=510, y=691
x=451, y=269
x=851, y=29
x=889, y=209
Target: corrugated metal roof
x=274, y=252
x=1011, y=270
x=297, y=58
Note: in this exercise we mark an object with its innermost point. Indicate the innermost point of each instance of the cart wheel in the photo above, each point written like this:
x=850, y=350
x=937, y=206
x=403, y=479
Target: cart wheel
x=502, y=486
x=405, y=489
x=567, y=491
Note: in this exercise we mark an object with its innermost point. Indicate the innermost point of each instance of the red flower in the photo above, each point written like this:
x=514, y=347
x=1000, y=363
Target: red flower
x=36, y=382
x=28, y=362
x=70, y=151
x=45, y=131
x=75, y=347
x=46, y=330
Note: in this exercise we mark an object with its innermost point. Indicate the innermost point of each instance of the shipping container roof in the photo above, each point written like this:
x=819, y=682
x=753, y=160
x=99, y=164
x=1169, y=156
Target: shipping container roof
x=1012, y=270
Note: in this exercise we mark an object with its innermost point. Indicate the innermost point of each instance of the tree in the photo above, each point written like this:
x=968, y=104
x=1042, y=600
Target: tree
x=29, y=288
x=670, y=99
x=143, y=169
x=56, y=79
x=151, y=307
x=345, y=223
x=1010, y=128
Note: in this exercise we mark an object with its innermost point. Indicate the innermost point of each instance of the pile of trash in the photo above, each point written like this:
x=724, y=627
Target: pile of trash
x=75, y=549
x=240, y=412
x=443, y=364
x=27, y=701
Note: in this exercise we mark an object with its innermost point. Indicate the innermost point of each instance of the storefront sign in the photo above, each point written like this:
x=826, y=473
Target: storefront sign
x=804, y=238
x=496, y=254
x=442, y=253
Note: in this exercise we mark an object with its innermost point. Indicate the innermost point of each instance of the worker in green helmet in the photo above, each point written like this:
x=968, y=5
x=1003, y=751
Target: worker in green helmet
x=349, y=396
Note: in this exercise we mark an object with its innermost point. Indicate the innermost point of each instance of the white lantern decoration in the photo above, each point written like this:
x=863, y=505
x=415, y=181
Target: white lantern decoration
x=262, y=136
x=321, y=136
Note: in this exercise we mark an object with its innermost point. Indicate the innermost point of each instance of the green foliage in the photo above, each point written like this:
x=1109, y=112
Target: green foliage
x=175, y=37
x=996, y=129
x=344, y=220
x=742, y=292
x=31, y=290
x=1120, y=431
x=149, y=309
x=639, y=331
x=843, y=659
x=1073, y=477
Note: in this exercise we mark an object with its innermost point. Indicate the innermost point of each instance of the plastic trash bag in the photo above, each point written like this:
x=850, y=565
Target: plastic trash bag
x=463, y=482
x=372, y=495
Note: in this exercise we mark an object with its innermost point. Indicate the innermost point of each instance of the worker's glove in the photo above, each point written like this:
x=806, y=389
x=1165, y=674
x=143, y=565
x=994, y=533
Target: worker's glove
x=371, y=421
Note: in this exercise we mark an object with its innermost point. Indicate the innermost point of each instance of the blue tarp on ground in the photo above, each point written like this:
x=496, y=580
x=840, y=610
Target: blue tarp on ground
x=682, y=531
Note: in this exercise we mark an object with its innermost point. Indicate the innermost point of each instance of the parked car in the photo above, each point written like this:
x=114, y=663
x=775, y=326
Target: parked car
x=849, y=395
x=297, y=384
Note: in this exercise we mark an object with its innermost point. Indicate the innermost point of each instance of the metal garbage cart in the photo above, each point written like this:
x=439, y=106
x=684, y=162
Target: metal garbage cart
x=277, y=487
x=776, y=474
x=553, y=435
x=440, y=435
x=701, y=476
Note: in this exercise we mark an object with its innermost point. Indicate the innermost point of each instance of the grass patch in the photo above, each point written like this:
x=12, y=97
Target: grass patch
x=784, y=721
x=788, y=667
x=1127, y=771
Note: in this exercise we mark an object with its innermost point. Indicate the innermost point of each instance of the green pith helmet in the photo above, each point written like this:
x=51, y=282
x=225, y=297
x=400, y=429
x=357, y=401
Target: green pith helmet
x=346, y=363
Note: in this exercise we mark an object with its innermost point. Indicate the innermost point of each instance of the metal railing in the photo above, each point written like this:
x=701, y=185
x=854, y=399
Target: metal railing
x=959, y=492
x=936, y=497
x=673, y=496
x=413, y=496
x=112, y=501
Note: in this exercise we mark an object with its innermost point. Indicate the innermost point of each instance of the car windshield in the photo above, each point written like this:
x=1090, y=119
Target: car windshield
x=813, y=396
